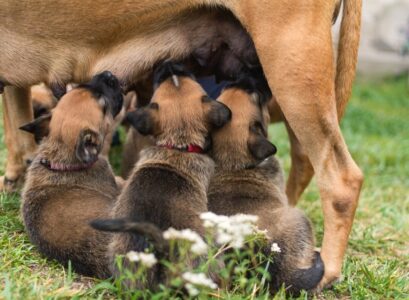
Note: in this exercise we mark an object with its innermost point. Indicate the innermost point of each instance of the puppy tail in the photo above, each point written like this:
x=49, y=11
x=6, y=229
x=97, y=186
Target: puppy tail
x=143, y=228
x=347, y=52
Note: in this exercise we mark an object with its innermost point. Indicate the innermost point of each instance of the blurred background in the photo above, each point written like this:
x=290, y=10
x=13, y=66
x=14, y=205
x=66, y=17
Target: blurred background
x=384, y=48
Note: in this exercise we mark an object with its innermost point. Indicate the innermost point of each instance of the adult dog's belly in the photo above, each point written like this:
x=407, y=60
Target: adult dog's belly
x=60, y=42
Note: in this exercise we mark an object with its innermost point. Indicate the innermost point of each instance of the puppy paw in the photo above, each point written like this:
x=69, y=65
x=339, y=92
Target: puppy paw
x=10, y=185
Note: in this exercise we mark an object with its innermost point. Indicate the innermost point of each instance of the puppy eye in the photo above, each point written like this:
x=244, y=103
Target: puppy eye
x=154, y=105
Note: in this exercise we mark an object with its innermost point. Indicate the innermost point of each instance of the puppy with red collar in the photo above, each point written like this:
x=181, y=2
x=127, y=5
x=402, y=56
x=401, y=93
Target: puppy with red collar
x=68, y=183
x=168, y=185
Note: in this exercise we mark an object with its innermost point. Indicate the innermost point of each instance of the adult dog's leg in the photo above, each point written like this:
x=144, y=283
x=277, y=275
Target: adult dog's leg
x=17, y=110
x=301, y=170
x=294, y=44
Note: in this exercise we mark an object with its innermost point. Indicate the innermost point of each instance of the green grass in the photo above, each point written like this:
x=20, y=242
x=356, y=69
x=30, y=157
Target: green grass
x=376, y=128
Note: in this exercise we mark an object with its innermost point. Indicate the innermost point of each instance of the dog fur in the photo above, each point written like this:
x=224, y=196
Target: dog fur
x=135, y=141
x=168, y=186
x=58, y=204
x=249, y=180
x=129, y=98
x=293, y=43
x=42, y=99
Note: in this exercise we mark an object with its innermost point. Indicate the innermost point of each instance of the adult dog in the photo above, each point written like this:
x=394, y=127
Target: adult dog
x=69, y=41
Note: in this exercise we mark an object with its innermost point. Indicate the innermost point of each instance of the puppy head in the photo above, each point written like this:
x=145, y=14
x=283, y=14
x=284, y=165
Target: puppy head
x=42, y=99
x=82, y=117
x=243, y=142
x=180, y=112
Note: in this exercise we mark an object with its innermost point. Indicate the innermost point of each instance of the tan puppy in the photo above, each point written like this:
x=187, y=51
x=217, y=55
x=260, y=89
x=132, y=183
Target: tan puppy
x=168, y=186
x=68, y=184
x=292, y=40
x=42, y=99
x=129, y=98
x=249, y=180
x=135, y=141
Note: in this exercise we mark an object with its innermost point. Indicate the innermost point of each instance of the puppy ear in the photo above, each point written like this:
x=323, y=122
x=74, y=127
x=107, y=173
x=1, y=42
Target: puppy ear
x=39, y=127
x=89, y=145
x=218, y=115
x=40, y=110
x=58, y=90
x=142, y=120
x=260, y=147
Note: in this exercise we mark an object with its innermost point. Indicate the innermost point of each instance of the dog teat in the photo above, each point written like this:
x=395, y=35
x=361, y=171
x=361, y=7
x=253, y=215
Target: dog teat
x=170, y=69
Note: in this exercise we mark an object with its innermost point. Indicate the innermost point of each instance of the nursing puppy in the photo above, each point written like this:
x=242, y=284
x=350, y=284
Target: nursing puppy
x=248, y=180
x=168, y=186
x=42, y=100
x=135, y=142
x=68, y=184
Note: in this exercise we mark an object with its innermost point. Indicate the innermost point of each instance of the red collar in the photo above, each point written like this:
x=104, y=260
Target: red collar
x=59, y=167
x=189, y=148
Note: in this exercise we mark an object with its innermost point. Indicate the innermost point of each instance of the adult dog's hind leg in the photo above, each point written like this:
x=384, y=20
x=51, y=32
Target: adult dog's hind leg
x=294, y=44
x=301, y=170
x=17, y=110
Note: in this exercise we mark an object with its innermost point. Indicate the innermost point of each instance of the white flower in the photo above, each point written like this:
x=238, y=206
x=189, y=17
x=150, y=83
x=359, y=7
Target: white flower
x=230, y=230
x=242, y=218
x=263, y=232
x=199, y=279
x=275, y=248
x=199, y=247
x=191, y=289
x=147, y=259
x=212, y=220
x=132, y=256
